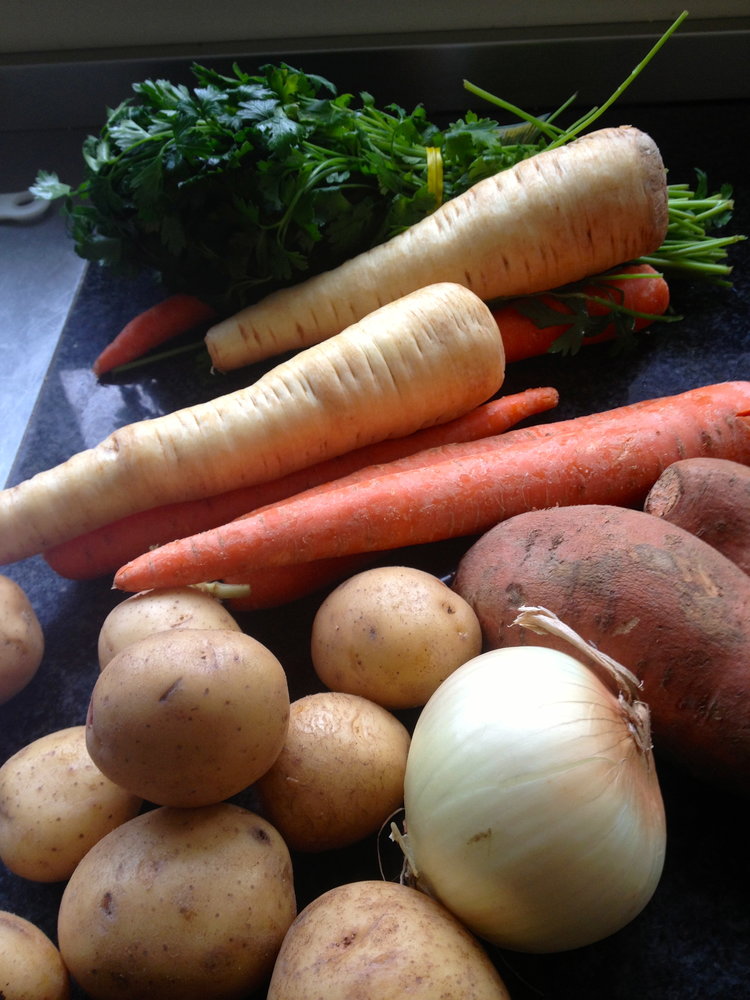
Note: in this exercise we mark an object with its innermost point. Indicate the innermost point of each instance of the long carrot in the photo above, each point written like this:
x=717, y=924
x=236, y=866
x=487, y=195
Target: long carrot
x=633, y=289
x=274, y=586
x=557, y=217
x=612, y=457
x=105, y=549
x=154, y=326
x=421, y=360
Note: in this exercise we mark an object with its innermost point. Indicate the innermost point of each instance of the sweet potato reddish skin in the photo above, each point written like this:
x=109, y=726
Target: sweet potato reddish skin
x=709, y=497
x=658, y=599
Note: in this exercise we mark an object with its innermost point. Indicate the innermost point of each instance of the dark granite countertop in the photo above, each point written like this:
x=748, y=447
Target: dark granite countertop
x=693, y=940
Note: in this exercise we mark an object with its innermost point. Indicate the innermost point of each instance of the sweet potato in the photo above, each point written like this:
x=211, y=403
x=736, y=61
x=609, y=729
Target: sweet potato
x=710, y=497
x=658, y=599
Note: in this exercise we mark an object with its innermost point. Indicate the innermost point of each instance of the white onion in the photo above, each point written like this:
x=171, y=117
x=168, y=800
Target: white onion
x=532, y=806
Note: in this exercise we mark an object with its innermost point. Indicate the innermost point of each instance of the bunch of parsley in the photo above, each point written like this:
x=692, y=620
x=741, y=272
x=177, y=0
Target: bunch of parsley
x=244, y=183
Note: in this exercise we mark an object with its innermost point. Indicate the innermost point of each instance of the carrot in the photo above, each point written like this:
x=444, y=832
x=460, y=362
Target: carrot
x=556, y=217
x=274, y=586
x=611, y=457
x=422, y=360
x=106, y=548
x=152, y=327
x=636, y=288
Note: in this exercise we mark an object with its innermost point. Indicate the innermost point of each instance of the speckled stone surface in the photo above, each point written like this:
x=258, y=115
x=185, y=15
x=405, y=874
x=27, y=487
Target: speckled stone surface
x=693, y=940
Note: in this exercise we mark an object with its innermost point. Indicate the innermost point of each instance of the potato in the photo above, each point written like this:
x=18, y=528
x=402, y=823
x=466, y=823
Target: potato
x=21, y=640
x=159, y=611
x=392, y=634
x=188, y=717
x=190, y=904
x=340, y=774
x=658, y=599
x=55, y=804
x=31, y=967
x=381, y=940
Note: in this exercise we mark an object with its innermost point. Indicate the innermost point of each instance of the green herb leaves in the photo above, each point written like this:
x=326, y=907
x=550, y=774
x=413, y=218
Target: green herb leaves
x=246, y=183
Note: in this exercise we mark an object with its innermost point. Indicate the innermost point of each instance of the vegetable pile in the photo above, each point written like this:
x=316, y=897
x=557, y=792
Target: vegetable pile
x=533, y=818
x=506, y=723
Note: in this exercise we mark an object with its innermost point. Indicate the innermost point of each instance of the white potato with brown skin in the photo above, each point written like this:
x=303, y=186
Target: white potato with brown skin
x=159, y=611
x=340, y=774
x=179, y=904
x=31, y=967
x=381, y=940
x=55, y=804
x=392, y=634
x=21, y=639
x=188, y=717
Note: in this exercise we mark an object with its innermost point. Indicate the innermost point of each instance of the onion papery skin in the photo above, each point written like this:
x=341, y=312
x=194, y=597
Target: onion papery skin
x=530, y=811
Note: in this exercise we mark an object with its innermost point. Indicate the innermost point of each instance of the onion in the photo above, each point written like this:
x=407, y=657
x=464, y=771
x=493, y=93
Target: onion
x=532, y=805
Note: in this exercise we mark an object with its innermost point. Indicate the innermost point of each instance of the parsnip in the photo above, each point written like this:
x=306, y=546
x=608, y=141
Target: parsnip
x=421, y=360
x=559, y=216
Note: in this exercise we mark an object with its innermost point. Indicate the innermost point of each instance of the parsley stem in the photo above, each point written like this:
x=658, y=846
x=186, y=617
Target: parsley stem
x=542, y=124
x=596, y=113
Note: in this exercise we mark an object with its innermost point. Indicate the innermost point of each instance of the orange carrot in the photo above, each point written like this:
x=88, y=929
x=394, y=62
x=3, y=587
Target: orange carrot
x=274, y=586
x=522, y=338
x=105, y=549
x=157, y=324
x=612, y=457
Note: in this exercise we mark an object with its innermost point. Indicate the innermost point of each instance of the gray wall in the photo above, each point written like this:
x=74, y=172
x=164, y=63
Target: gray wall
x=34, y=28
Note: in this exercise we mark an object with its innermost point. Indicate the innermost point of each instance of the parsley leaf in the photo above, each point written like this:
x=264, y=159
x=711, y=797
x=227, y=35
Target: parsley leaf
x=245, y=183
